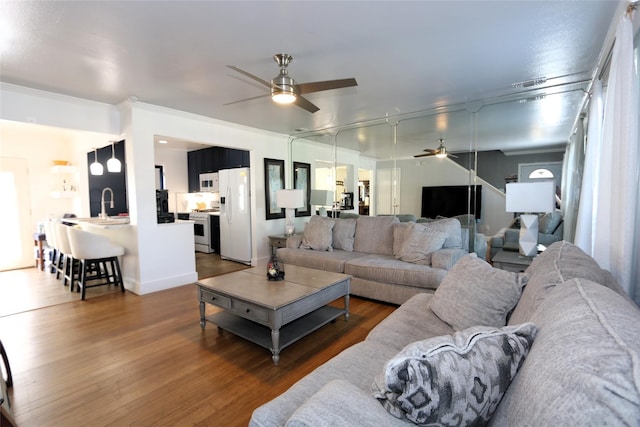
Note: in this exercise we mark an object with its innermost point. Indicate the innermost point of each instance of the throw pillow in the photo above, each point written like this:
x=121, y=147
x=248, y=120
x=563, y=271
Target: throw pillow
x=475, y=293
x=399, y=231
x=419, y=242
x=374, y=234
x=456, y=379
x=318, y=234
x=549, y=222
x=344, y=231
x=452, y=228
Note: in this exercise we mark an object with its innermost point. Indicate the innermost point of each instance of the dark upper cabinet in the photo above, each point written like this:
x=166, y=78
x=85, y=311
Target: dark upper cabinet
x=212, y=160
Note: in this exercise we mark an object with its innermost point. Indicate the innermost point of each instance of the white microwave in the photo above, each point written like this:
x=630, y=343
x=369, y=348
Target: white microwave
x=209, y=181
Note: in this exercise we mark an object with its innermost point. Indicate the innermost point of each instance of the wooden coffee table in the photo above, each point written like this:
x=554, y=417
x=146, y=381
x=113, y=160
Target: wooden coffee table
x=274, y=314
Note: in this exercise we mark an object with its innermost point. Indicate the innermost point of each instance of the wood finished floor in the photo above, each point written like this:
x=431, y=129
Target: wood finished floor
x=122, y=359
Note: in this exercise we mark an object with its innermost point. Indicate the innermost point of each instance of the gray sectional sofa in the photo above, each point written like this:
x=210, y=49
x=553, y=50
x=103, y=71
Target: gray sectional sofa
x=569, y=355
x=374, y=250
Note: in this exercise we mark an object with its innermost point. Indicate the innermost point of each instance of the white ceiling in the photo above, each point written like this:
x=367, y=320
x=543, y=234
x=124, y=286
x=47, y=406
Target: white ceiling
x=446, y=57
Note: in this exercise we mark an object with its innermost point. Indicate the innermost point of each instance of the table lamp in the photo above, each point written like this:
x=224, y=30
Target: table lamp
x=321, y=199
x=529, y=198
x=289, y=200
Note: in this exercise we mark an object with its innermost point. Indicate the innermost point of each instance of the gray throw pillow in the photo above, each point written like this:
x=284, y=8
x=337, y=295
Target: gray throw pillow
x=451, y=227
x=318, y=234
x=419, y=243
x=344, y=232
x=549, y=222
x=474, y=293
x=399, y=232
x=455, y=379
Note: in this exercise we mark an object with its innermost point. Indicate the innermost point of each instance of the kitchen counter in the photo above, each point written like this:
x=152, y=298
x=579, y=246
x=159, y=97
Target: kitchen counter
x=111, y=222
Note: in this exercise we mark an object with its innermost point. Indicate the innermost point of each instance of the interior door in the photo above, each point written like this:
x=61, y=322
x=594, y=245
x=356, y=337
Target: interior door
x=387, y=191
x=16, y=245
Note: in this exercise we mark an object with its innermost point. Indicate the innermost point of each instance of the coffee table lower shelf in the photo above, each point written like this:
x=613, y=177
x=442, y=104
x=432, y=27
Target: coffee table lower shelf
x=288, y=334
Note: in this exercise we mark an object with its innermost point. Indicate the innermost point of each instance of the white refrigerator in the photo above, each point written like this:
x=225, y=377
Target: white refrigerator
x=235, y=214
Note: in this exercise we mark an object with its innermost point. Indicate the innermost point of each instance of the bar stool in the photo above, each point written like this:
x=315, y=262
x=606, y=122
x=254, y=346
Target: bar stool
x=92, y=249
x=49, y=231
x=69, y=264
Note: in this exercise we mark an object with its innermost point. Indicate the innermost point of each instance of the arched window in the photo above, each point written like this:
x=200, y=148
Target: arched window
x=541, y=174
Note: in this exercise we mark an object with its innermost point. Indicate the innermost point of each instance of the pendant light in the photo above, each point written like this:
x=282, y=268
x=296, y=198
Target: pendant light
x=95, y=167
x=113, y=164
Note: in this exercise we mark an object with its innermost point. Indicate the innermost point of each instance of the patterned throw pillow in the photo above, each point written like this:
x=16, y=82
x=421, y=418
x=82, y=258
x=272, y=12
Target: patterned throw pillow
x=318, y=234
x=455, y=379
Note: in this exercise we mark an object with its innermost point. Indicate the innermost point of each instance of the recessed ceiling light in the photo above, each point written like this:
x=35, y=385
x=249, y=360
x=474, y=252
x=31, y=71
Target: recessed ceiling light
x=162, y=141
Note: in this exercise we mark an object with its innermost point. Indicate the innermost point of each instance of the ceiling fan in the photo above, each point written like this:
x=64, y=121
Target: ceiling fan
x=284, y=90
x=440, y=152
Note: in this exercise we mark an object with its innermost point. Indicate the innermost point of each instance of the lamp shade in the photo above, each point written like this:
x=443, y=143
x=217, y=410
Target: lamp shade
x=321, y=198
x=289, y=199
x=96, y=167
x=113, y=164
x=530, y=197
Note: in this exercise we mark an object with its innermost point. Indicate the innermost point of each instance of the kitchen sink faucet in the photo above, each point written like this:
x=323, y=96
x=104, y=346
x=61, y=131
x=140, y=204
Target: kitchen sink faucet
x=103, y=213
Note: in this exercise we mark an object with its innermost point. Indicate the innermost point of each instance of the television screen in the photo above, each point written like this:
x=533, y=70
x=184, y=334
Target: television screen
x=451, y=200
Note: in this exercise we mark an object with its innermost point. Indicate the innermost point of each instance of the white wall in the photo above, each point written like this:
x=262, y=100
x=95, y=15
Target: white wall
x=175, y=167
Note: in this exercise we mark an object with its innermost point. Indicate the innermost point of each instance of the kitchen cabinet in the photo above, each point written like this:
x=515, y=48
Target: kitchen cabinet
x=212, y=160
x=215, y=233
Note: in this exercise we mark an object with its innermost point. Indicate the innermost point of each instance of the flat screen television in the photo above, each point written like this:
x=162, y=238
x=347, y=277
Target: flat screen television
x=451, y=200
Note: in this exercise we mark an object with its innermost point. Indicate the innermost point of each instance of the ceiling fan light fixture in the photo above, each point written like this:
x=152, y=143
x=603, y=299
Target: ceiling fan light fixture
x=285, y=95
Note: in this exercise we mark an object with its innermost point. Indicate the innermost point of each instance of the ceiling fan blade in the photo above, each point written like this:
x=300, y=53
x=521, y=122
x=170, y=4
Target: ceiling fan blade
x=424, y=155
x=304, y=103
x=251, y=76
x=302, y=88
x=247, y=99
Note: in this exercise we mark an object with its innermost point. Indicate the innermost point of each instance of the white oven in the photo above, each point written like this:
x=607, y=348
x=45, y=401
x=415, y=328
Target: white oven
x=201, y=231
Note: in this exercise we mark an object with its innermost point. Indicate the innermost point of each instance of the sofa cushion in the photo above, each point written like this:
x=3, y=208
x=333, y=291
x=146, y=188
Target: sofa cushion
x=358, y=365
x=344, y=232
x=374, y=234
x=474, y=293
x=387, y=269
x=561, y=261
x=318, y=234
x=449, y=226
x=412, y=321
x=334, y=405
x=322, y=260
x=419, y=243
x=584, y=364
x=456, y=379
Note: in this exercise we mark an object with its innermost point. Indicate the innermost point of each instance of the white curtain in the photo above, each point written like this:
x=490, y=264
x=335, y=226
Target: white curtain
x=615, y=168
x=572, y=180
x=585, y=223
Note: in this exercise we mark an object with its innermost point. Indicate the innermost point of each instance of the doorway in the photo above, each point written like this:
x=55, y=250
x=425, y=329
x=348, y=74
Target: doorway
x=16, y=249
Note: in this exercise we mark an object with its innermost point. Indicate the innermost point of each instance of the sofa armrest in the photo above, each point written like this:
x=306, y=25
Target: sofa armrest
x=340, y=403
x=294, y=241
x=446, y=258
x=497, y=240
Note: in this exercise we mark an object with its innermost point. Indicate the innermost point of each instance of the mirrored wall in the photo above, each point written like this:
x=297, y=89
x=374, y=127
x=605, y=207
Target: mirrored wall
x=370, y=169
